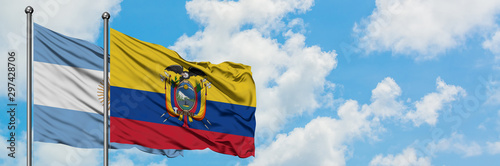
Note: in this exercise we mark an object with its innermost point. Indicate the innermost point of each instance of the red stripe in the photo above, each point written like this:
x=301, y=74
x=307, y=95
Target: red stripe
x=160, y=136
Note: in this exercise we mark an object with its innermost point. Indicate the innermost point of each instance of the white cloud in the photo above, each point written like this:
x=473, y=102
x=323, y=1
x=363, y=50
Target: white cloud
x=407, y=158
x=323, y=141
x=481, y=127
x=493, y=92
x=425, y=27
x=133, y=156
x=493, y=147
x=320, y=142
x=80, y=19
x=384, y=99
x=229, y=16
x=280, y=70
x=427, y=108
x=161, y=163
x=122, y=160
x=493, y=44
x=456, y=144
x=59, y=154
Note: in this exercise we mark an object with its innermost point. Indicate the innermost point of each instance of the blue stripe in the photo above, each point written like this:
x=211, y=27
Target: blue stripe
x=149, y=106
x=55, y=48
x=77, y=129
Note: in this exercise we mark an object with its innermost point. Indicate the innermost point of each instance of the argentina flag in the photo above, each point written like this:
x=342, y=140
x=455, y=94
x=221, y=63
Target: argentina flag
x=68, y=93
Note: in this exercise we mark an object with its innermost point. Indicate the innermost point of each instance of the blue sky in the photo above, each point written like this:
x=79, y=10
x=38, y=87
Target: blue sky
x=381, y=82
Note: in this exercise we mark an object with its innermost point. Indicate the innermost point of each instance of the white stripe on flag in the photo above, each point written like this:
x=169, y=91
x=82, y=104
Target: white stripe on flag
x=67, y=87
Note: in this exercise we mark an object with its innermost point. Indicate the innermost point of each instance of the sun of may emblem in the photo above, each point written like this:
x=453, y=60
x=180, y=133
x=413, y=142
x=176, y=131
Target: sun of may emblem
x=185, y=94
x=100, y=93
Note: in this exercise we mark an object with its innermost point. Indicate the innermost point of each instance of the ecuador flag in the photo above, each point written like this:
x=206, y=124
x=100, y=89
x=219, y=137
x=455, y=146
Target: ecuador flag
x=162, y=101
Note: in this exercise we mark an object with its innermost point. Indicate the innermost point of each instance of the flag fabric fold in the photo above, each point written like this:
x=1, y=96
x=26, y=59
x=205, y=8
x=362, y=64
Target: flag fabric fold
x=167, y=102
x=68, y=92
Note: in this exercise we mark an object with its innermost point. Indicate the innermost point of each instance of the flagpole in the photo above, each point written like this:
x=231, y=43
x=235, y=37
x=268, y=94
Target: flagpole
x=105, y=17
x=29, y=51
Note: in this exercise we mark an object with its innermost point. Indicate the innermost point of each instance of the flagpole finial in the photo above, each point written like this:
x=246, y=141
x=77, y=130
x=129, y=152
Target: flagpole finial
x=28, y=9
x=105, y=15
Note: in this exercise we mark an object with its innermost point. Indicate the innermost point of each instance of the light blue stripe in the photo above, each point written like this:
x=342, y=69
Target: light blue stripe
x=55, y=48
x=78, y=129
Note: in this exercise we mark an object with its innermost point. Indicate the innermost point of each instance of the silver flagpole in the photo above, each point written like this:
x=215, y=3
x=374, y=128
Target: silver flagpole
x=105, y=17
x=29, y=51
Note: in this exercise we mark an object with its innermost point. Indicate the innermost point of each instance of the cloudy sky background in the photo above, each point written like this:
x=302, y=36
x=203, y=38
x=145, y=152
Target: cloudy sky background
x=384, y=82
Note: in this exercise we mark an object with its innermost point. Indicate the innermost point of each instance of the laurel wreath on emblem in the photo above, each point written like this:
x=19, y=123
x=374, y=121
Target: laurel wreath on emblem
x=185, y=94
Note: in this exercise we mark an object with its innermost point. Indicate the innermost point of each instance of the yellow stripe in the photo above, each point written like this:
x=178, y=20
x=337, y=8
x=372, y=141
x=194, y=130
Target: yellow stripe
x=138, y=65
